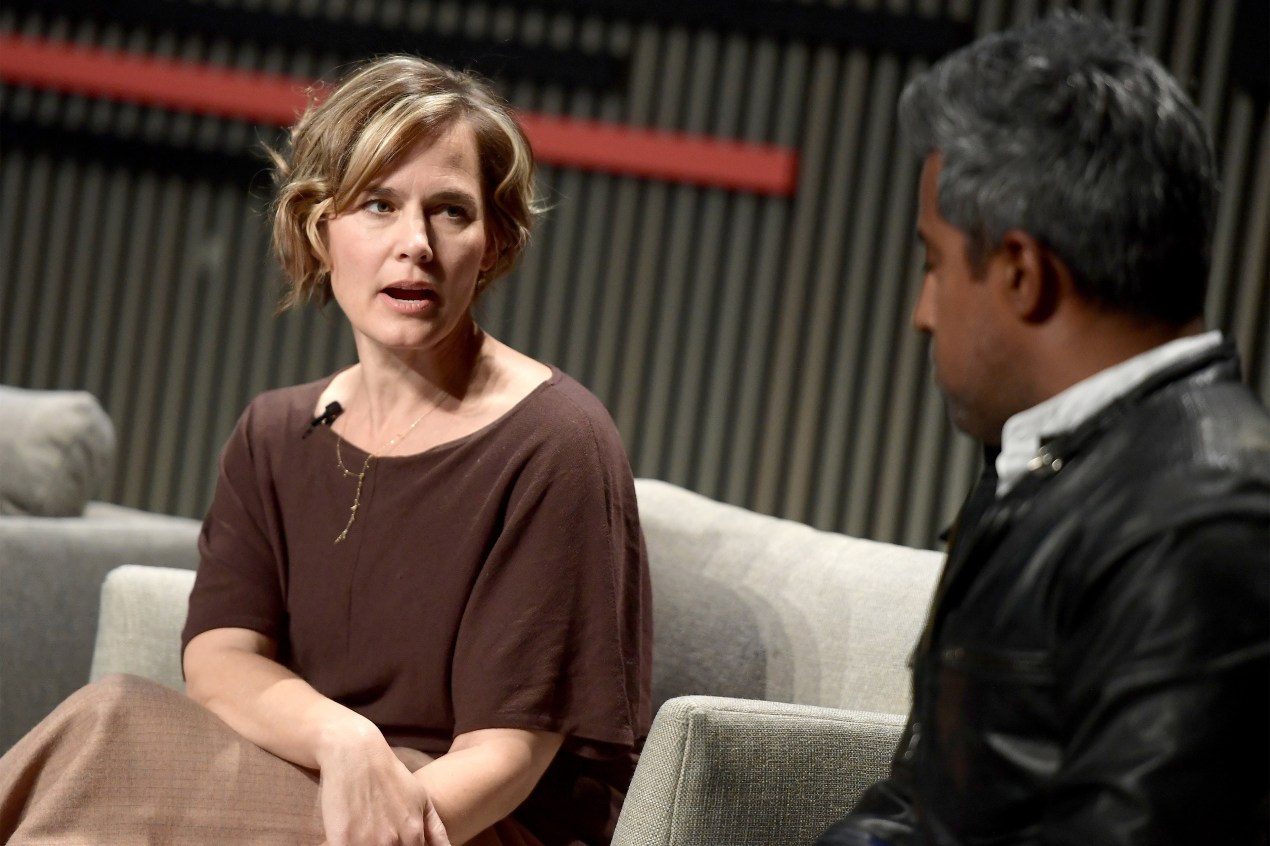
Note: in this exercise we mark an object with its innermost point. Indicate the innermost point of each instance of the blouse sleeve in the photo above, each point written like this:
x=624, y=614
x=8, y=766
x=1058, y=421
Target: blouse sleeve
x=557, y=632
x=238, y=582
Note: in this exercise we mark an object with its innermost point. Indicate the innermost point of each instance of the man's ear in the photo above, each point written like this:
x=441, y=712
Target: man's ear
x=1032, y=276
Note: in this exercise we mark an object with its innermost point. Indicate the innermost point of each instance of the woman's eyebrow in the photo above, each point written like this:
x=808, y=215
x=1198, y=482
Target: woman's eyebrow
x=444, y=195
x=454, y=195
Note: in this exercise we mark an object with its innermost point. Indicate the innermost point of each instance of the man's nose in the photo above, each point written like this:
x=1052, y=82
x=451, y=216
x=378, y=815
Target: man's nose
x=923, y=311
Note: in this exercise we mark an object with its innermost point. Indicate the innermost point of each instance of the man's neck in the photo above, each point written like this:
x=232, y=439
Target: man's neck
x=1098, y=341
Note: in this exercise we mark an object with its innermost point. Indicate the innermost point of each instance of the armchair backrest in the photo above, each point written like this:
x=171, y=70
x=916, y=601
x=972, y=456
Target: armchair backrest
x=756, y=607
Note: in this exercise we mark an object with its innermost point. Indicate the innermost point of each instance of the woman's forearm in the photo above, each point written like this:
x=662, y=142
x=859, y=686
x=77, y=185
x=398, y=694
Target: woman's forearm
x=232, y=673
x=485, y=776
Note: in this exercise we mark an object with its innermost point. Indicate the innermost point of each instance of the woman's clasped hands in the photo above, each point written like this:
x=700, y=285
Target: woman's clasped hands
x=370, y=797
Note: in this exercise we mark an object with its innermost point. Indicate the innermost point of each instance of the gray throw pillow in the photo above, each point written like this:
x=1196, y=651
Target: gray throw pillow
x=56, y=448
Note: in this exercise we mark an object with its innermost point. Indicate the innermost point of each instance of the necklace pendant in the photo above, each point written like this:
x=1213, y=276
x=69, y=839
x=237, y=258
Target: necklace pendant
x=361, y=477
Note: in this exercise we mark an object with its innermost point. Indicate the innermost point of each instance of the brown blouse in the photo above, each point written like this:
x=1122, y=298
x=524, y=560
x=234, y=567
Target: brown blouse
x=497, y=581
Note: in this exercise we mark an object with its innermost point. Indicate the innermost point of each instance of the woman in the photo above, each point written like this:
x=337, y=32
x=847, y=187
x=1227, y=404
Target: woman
x=423, y=577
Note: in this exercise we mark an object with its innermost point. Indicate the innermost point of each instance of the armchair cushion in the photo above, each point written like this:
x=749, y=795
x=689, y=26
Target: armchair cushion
x=751, y=773
x=57, y=449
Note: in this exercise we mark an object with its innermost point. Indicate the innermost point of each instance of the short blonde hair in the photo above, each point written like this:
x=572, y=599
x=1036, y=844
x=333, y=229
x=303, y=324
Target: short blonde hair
x=342, y=143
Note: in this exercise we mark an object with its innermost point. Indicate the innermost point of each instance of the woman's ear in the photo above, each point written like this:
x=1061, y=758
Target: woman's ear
x=1032, y=276
x=315, y=231
x=490, y=258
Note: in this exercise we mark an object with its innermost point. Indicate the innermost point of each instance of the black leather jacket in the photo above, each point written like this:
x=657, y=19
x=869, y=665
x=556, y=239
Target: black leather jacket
x=1096, y=668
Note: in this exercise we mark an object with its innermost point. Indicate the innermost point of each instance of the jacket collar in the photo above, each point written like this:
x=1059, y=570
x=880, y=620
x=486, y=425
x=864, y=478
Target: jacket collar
x=1213, y=364
x=1025, y=432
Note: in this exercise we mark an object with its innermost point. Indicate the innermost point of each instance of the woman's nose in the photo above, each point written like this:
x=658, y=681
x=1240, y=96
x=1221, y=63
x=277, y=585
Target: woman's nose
x=416, y=245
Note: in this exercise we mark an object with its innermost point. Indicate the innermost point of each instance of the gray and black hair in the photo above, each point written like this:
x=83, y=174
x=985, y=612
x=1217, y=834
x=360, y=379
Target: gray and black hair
x=1066, y=130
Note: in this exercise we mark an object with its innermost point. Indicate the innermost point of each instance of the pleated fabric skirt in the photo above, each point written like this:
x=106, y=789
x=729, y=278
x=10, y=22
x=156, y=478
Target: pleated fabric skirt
x=129, y=761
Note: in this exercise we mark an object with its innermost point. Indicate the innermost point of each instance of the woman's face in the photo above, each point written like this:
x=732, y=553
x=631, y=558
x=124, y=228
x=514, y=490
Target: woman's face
x=405, y=256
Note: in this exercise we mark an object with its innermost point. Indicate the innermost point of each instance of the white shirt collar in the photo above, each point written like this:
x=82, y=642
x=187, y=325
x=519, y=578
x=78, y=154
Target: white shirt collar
x=1023, y=433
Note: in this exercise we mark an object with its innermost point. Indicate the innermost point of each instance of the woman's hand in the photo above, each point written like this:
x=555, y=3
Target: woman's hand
x=369, y=797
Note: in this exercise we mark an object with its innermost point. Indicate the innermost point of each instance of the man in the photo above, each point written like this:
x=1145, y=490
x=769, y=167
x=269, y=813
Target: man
x=1096, y=666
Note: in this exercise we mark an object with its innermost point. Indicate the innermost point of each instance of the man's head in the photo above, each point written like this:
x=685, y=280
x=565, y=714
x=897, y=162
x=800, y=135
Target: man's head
x=1063, y=139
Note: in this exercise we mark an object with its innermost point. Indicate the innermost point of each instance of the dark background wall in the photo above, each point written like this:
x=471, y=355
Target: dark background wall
x=753, y=348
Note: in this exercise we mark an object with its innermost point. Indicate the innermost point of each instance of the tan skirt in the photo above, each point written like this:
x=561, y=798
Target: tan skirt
x=128, y=761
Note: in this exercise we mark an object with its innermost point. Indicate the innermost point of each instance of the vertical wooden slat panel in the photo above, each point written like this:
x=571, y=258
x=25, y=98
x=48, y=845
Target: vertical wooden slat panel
x=714, y=405
x=1251, y=324
x=892, y=362
x=102, y=332
x=830, y=287
x=158, y=289
x=173, y=419
x=12, y=173
x=784, y=86
x=30, y=250
x=698, y=354
x=839, y=426
x=796, y=305
x=77, y=307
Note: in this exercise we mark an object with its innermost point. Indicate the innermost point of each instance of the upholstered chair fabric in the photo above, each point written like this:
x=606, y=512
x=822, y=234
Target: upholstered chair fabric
x=139, y=626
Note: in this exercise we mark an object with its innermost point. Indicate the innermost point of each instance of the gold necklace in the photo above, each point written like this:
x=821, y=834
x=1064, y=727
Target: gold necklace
x=361, y=476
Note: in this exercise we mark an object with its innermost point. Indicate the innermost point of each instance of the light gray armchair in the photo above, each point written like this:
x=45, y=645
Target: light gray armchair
x=57, y=544
x=780, y=668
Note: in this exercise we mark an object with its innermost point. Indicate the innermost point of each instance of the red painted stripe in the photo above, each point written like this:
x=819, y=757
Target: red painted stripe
x=274, y=99
x=672, y=156
x=151, y=81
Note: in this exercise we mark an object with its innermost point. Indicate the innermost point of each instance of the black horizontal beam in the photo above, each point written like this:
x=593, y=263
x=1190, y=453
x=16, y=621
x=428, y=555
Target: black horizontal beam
x=347, y=39
x=785, y=21
x=84, y=144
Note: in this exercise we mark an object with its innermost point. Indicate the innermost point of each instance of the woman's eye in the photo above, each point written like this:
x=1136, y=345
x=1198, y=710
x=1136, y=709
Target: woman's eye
x=377, y=206
x=455, y=212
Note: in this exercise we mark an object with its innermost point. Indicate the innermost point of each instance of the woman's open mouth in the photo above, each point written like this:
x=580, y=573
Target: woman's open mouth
x=409, y=300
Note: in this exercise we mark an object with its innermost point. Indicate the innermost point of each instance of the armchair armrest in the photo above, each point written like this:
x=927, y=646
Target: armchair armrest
x=751, y=773
x=139, y=626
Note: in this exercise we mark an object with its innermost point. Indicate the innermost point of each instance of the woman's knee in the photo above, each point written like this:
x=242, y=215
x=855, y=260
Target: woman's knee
x=123, y=688
x=119, y=698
